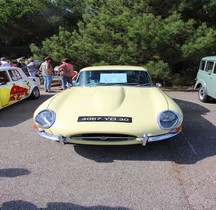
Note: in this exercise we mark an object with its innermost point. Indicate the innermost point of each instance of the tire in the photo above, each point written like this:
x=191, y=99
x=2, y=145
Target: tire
x=35, y=93
x=202, y=94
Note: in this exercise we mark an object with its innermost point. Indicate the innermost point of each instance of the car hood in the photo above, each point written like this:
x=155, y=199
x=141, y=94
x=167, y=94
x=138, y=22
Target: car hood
x=142, y=105
x=101, y=100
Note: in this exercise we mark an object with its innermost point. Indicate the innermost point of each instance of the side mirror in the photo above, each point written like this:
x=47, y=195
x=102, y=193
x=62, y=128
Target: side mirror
x=3, y=83
x=158, y=85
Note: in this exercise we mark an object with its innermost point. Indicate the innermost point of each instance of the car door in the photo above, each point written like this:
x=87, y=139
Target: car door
x=20, y=86
x=207, y=76
x=5, y=89
x=211, y=83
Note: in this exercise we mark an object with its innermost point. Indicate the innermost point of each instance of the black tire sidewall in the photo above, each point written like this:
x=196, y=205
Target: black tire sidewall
x=33, y=95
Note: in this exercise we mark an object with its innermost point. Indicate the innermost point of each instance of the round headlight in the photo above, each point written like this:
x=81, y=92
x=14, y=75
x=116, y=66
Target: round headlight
x=168, y=119
x=45, y=118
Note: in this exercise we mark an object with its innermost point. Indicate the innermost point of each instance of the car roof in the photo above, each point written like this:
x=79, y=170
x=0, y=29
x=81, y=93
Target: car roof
x=4, y=68
x=113, y=67
x=209, y=58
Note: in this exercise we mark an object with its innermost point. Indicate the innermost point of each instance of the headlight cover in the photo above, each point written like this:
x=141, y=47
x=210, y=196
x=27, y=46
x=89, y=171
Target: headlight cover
x=168, y=119
x=45, y=118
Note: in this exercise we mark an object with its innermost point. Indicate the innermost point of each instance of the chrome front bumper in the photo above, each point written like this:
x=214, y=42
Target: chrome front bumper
x=144, y=140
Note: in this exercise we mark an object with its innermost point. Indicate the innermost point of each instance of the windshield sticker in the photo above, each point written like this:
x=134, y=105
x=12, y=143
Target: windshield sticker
x=113, y=78
x=104, y=119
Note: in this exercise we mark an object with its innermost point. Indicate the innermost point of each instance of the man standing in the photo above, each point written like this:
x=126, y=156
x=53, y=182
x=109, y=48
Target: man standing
x=31, y=67
x=21, y=64
x=47, y=73
x=3, y=62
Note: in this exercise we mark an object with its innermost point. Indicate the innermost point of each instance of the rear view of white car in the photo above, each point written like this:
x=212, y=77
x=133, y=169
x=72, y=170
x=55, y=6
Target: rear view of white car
x=16, y=86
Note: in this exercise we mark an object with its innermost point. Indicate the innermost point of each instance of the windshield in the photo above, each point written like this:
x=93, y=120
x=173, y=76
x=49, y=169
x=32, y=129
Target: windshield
x=113, y=77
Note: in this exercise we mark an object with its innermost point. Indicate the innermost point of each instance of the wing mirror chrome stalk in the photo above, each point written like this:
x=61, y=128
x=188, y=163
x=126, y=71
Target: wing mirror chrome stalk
x=158, y=85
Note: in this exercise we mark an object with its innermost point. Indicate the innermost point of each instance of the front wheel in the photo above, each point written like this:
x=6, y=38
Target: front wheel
x=202, y=94
x=35, y=93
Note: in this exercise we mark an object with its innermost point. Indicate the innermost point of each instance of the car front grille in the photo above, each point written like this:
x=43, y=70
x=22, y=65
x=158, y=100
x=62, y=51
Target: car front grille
x=104, y=137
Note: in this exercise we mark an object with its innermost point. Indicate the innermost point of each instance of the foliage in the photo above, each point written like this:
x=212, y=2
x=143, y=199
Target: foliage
x=168, y=37
x=57, y=47
x=23, y=18
x=159, y=71
x=32, y=21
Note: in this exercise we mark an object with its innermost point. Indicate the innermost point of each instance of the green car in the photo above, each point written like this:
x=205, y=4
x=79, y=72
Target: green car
x=206, y=79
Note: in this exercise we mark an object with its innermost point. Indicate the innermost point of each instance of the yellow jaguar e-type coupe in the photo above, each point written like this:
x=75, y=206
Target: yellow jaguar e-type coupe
x=109, y=105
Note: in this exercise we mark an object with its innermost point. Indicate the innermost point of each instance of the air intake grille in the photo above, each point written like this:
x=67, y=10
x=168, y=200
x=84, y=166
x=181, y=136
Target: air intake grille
x=104, y=137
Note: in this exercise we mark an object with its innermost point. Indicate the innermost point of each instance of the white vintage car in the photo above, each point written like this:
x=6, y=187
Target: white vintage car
x=206, y=79
x=15, y=86
x=109, y=105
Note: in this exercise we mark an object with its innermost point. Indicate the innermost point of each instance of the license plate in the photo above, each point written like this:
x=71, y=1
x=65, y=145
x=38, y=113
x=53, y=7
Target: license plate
x=104, y=119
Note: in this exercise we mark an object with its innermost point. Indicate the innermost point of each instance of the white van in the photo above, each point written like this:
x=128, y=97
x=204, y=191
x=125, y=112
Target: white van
x=206, y=79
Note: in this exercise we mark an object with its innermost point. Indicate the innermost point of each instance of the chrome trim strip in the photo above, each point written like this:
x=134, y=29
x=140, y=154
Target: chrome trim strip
x=158, y=138
x=144, y=140
x=103, y=137
x=47, y=135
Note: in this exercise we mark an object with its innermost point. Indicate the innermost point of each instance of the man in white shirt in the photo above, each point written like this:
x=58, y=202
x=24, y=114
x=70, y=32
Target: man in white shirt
x=3, y=62
x=31, y=67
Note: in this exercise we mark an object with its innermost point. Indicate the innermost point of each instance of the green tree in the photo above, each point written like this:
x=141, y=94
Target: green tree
x=32, y=21
x=153, y=33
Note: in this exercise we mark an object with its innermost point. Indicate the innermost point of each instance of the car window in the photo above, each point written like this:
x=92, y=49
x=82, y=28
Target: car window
x=3, y=77
x=113, y=77
x=209, y=66
x=15, y=75
x=202, y=65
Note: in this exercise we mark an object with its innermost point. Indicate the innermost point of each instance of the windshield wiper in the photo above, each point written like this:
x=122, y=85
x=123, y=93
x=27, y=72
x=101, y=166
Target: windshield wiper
x=144, y=84
x=110, y=84
x=126, y=84
x=104, y=84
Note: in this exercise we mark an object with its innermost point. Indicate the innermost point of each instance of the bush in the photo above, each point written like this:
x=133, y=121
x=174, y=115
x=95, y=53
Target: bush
x=159, y=71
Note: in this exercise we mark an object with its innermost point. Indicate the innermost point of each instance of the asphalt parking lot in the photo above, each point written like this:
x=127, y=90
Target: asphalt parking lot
x=174, y=174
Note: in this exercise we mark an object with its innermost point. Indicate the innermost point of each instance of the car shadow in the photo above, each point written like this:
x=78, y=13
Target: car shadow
x=21, y=111
x=194, y=143
x=24, y=205
x=13, y=172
